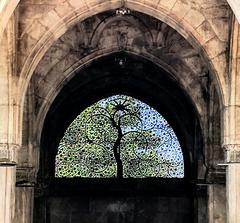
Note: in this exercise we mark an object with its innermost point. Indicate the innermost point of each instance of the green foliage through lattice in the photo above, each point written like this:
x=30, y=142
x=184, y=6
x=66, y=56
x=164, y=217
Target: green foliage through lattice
x=119, y=136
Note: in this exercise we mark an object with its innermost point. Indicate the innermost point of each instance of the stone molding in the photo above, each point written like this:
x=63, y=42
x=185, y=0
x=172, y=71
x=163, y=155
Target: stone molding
x=8, y=154
x=232, y=153
x=217, y=175
x=26, y=176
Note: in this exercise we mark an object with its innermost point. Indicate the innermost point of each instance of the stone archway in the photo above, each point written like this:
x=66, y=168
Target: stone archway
x=205, y=39
x=183, y=61
x=33, y=29
x=73, y=51
x=147, y=81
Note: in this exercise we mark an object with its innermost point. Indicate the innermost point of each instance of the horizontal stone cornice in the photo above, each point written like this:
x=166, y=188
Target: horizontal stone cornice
x=26, y=176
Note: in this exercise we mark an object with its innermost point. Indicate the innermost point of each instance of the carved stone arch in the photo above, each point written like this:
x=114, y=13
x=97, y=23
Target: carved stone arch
x=67, y=55
x=211, y=47
x=55, y=83
x=133, y=20
x=60, y=27
x=113, y=83
x=50, y=79
x=12, y=4
x=79, y=65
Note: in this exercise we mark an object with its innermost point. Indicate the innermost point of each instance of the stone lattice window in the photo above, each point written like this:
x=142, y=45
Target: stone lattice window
x=119, y=136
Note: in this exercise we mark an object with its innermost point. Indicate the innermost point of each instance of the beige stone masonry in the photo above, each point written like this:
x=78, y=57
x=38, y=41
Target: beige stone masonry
x=24, y=205
x=232, y=153
x=7, y=8
x=194, y=18
x=235, y=5
x=7, y=195
x=8, y=154
x=233, y=193
x=167, y=3
x=232, y=110
x=78, y=4
x=204, y=24
x=180, y=9
x=232, y=132
x=202, y=38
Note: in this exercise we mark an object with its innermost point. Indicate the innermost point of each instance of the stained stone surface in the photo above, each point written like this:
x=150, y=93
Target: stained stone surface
x=122, y=210
x=45, y=43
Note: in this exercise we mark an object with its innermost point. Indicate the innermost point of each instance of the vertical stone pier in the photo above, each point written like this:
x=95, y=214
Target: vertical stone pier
x=233, y=183
x=8, y=157
x=7, y=188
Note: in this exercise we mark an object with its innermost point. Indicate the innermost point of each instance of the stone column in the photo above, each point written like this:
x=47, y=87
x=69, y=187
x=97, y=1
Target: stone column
x=231, y=136
x=10, y=120
x=8, y=157
x=216, y=203
x=233, y=183
x=24, y=204
x=24, y=194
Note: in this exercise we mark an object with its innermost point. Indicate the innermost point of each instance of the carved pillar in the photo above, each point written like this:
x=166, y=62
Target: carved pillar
x=8, y=158
x=10, y=120
x=233, y=182
x=232, y=129
x=233, y=193
x=24, y=194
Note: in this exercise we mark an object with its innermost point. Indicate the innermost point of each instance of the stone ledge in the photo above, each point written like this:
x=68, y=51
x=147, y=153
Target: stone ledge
x=25, y=176
x=217, y=175
x=8, y=154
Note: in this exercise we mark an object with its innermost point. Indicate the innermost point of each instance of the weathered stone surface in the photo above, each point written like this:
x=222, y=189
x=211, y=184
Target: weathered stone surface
x=128, y=209
x=113, y=33
x=217, y=204
x=232, y=153
x=45, y=42
x=196, y=13
x=7, y=196
x=233, y=193
x=9, y=153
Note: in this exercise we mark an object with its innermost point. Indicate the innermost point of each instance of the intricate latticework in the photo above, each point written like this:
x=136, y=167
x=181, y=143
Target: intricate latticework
x=119, y=136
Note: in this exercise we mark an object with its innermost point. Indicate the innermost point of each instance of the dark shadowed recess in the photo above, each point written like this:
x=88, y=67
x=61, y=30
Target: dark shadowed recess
x=119, y=200
x=136, y=77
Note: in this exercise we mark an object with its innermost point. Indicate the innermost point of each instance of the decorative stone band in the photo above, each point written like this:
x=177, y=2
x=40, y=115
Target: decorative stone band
x=26, y=176
x=8, y=154
x=217, y=175
x=232, y=153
